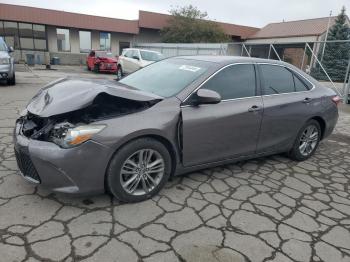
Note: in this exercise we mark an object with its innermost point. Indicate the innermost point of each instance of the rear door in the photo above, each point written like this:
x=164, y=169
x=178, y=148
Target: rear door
x=288, y=104
x=227, y=129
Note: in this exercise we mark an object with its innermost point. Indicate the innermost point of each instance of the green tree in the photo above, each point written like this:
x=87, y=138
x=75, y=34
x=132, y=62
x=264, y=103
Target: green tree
x=336, y=55
x=189, y=25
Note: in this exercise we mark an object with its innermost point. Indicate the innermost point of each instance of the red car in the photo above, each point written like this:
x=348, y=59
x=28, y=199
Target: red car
x=101, y=61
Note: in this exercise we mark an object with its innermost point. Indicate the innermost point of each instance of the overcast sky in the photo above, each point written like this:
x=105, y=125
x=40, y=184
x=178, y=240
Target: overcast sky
x=245, y=12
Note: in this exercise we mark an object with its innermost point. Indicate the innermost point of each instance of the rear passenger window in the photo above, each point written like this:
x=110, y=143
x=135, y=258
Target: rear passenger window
x=299, y=85
x=236, y=81
x=277, y=79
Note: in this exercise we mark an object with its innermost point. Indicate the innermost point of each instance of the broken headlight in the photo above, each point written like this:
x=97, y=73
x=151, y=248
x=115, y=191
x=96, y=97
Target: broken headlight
x=67, y=135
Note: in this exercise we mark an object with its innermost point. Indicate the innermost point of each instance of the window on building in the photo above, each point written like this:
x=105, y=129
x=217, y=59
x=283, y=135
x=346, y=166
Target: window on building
x=1, y=28
x=236, y=81
x=11, y=34
x=277, y=80
x=63, y=43
x=105, y=41
x=39, y=33
x=26, y=36
x=85, y=41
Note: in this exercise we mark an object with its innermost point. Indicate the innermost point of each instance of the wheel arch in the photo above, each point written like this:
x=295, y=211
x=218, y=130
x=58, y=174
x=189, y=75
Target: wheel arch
x=166, y=142
x=322, y=124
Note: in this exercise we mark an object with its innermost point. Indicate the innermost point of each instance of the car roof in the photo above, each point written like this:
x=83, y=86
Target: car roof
x=141, y=50
x=231, y=59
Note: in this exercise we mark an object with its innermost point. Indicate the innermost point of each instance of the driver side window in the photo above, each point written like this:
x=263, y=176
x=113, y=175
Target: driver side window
x=235, y=81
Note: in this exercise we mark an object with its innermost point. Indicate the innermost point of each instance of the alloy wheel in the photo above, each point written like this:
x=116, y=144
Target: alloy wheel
x=308, y=140
x=142, y=172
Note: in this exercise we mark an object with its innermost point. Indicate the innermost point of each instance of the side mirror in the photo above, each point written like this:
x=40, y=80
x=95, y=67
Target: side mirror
x=206, y=96
x=136, y=57
x=10, y=49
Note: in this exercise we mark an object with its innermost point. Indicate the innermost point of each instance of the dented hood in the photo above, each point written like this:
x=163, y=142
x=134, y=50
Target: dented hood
x=68, y=94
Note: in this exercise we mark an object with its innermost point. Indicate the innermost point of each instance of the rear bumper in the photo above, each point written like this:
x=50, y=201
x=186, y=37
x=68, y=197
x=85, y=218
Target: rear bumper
x=78, y=170
x=108, y=67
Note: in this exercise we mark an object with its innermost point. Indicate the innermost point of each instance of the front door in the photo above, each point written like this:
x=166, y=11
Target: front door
x=228, y=129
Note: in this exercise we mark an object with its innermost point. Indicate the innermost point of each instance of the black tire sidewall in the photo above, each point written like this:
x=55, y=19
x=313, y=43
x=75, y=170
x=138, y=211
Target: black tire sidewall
x=12, y=81
x=113, y=171
x=96, y=68
x=121, y=73
x=295, y=152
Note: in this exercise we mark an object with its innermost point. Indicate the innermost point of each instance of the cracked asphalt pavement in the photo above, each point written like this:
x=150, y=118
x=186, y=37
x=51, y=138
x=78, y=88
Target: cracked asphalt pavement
x=268, y=209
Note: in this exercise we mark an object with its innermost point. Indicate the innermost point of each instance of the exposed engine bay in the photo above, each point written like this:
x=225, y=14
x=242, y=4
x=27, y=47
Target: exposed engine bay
x=55, y=127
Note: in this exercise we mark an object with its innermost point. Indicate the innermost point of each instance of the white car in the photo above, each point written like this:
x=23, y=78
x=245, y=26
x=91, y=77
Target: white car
x=133, y=59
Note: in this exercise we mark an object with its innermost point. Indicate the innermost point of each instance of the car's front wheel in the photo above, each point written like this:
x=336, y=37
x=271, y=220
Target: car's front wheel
x=307, y=141
x=12, y=81
x=119, y=73
x=96, y=68
x=139, y=170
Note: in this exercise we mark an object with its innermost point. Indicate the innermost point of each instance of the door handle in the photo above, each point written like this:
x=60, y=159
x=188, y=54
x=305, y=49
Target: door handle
x=254, y=108
x=307, y=100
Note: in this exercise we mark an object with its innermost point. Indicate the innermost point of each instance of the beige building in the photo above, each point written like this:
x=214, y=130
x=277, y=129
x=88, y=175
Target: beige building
x=70, y=36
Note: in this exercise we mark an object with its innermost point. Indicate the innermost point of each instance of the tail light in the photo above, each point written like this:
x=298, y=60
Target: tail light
x=336, y=100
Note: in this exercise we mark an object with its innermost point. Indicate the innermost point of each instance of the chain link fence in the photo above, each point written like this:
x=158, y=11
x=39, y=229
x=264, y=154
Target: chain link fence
x=327, y=61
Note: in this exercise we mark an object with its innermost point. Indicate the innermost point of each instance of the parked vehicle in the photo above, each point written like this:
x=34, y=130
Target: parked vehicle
x=172, y=117
x=7, y=63
x=133, y=59
x=101, y=61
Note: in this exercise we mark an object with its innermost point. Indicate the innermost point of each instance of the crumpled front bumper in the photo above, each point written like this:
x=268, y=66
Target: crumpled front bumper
x=78, y=170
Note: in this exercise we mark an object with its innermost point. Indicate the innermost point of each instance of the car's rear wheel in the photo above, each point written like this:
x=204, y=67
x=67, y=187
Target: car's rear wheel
x=139, y=170
x=96, y=68
x=12, y=81
x=307, y=141
x=119, y=73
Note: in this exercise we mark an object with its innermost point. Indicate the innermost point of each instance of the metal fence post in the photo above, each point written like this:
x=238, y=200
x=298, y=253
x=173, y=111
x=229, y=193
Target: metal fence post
x=324, y=70
x=302, y=62
x=346, y=86
x=273, y=48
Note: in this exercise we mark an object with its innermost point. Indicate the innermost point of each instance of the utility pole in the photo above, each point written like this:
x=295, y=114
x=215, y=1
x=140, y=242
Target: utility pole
x=328, y=25
x=346, y=85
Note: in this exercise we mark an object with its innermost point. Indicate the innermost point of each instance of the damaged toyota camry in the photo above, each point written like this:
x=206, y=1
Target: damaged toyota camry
x=172, y=117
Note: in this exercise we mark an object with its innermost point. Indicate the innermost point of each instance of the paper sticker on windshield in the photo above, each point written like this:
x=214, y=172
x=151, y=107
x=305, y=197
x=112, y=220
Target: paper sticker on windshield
x=189, y=68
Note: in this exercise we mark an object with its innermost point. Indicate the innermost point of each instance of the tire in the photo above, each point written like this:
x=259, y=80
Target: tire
x=96, y=68
x=300, y=152
x=119, y=73
x=130, y=153
x=12, y=81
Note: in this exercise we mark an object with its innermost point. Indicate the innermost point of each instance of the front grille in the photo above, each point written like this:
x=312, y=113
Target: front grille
x=26, y=166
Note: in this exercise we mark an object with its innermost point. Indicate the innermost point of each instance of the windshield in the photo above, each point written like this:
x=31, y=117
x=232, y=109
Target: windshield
x=167, y=77
x=151, y=56
x=3, y=46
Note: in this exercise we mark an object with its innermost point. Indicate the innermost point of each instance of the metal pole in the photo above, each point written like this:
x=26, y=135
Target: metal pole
x=273, y=48
x=325, y=41
x=346, y=92
x=346, y=74
x=246, y=50
x=242, y=50
x=324, y=70
x=302, y=62
x=346, y=86
x=269, y=52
